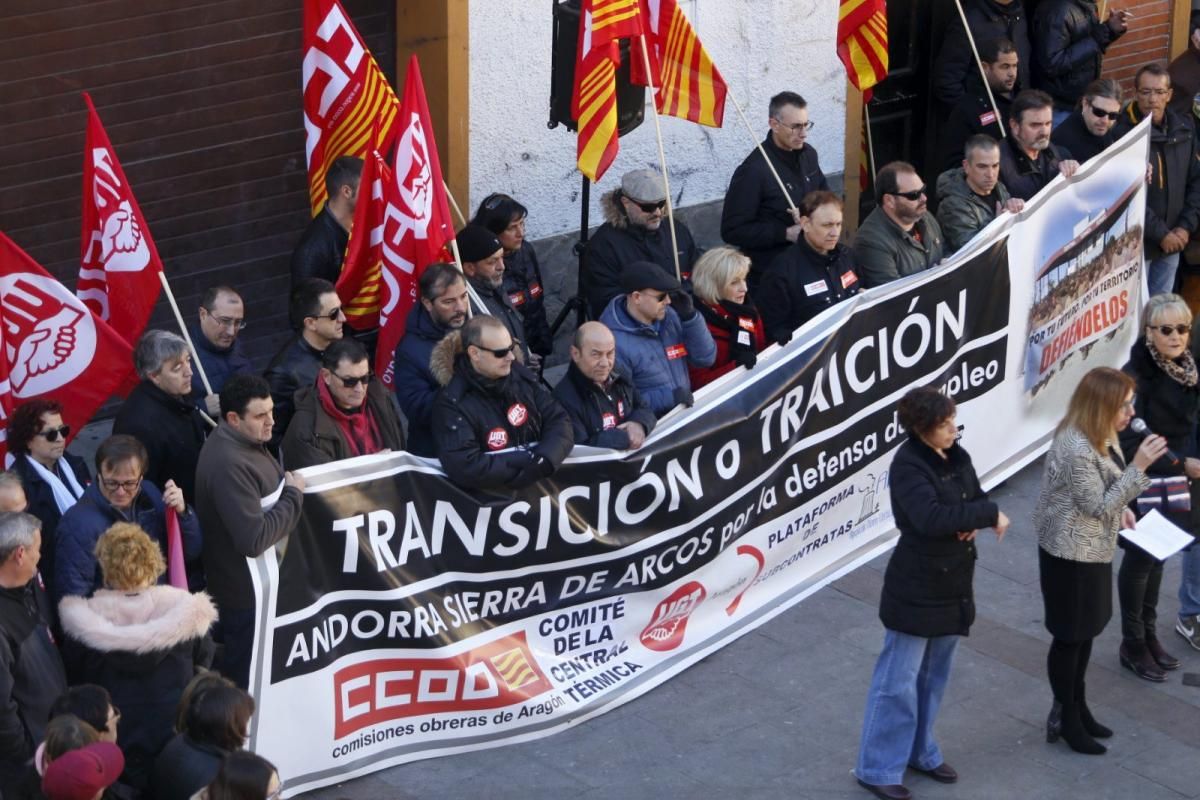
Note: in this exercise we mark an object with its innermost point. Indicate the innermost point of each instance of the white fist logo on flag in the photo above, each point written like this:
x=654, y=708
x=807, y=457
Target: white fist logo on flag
x=122, y=246
x=49, y=336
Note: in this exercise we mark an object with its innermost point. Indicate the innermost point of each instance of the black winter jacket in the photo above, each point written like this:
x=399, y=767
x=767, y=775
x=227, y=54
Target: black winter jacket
x=321, y=249
x=1024, y=178
x=955, y=64
x=1173, y=196
x=292, y=368
x=755, y=216
x=473, y=418
x=1074, y=136
x=596, y=413
x=183, y=768
x=617, y=243
x=1068, y=47
x=172, y=431
x=973, y=114
x=42, y=505
x=527, y=294
x=143, y=647
x=927, y=587
x=414, y=383
x=31, y=675
x=802, y=283
x=500, y=306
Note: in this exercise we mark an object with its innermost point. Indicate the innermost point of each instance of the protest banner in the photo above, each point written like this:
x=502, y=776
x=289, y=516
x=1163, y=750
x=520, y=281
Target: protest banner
x=408, y=617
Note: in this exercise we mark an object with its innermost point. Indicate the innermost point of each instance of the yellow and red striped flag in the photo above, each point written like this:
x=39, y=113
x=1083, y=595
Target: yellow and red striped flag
x=345, y=94
x=689, y=84
x=862, y=42
x=594, y=102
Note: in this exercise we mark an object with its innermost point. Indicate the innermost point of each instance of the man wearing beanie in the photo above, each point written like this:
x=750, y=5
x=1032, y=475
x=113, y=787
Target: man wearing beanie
x=658, y=334
x=483, y=262
x=635, y=229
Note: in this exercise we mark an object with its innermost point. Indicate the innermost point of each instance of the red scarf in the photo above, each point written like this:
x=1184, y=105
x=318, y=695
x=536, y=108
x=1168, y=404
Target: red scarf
x=358, y=428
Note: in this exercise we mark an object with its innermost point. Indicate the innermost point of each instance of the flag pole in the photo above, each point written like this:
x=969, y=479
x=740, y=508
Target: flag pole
x=987, y=87
x=162, y=277
x=662, y=160
x=461, y=219
x=474, y=295
x=754, y=138
x=870, y=142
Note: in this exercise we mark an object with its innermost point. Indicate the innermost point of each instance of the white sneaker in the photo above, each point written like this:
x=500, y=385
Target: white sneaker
x=1189, y=629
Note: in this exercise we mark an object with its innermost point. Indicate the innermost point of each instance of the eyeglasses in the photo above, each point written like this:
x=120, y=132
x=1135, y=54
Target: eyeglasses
x=662, y=298
x=1099, y=112
x=331, y=315
x=650, y=208
x=1165, y=330
x=52, y=434
x=226, y=322
x=350, y=383
x=112, y=485
x=914, y=195
x=795, y=127
x=1131, y=405
x=499, y=352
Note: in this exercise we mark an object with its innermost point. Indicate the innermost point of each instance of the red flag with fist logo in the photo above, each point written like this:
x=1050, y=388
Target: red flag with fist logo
x=119, y=265
x=416, y=220
x=360, y=284
x=53, y=345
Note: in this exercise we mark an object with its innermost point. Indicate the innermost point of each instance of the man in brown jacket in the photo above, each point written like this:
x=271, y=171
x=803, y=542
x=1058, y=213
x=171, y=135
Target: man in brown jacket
x=246, y=503
x=345, y=413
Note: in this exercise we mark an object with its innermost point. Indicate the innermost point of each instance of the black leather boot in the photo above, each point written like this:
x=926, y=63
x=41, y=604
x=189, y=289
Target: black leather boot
x=1136, y=658
x=1075, y=736
x=1094, y=728
x=1161, y=657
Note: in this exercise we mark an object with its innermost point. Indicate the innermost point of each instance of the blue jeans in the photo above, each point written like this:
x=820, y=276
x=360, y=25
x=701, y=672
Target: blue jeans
x=906, y=690
x=1189, y=585
x=1160, y=273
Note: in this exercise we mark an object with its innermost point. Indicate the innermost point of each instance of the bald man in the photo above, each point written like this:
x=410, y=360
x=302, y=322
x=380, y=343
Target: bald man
x=605, y=407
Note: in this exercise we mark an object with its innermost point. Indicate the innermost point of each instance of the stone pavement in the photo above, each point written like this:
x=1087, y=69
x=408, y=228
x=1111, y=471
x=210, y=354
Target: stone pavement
x=777, y=713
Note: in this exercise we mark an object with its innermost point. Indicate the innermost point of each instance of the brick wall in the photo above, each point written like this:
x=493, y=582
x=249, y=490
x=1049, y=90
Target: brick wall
x=1148, y=39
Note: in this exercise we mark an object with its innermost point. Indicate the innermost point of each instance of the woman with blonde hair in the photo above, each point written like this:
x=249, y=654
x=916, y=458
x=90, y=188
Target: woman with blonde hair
x=140, y=641
x=719, y=284
x=1086, y=490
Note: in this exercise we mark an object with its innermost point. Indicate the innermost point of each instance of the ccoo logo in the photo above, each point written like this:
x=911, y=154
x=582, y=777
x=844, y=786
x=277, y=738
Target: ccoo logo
x=49, y=335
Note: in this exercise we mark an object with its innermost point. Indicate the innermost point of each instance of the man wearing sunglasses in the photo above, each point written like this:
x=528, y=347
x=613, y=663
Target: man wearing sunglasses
x=315, y=310
x=757, y=217
x=1028, y=160
x=900, y=237
x=222, y=317
x=345, y=413
x=1089, y=129
x=635, y=229
x=495, y=427
x=1173, y=196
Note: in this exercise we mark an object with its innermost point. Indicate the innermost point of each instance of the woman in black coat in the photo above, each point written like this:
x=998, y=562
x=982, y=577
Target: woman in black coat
x=1167, y=398
x=928, y=601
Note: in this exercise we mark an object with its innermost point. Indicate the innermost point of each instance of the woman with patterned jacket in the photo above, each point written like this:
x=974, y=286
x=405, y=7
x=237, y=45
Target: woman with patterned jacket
x=1086, y=490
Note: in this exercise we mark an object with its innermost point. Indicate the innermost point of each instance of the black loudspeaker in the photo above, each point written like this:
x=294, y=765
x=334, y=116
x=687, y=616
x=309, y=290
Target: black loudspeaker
x=631, y=99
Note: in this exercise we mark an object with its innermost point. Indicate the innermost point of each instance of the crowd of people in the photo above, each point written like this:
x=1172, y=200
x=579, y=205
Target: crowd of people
x=126, y=602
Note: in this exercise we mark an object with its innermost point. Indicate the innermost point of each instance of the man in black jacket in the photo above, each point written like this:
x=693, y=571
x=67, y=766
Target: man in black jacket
x=1089, y=129
x=1173, y=196
x=635, y=229
x=322, y=247
x=1069, y=45
x=315, y=310
x=483, y=262
x=1028, y=161
x=443, y=308
x=495, y=427
x=605, y=407
x=757, y=217
x=160, y=414
x=974, y=114
x=31, y=670
x=989, y=19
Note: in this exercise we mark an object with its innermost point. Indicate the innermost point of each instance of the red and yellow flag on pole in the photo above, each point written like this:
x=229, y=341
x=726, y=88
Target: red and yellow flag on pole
x=689, y=85
x=345, y=93
x=862, y=42
x=594, y=102
x=360, y=284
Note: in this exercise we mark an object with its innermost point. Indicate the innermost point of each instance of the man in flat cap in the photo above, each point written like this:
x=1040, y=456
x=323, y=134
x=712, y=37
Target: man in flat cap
x=658, y=334
x=483, y=262
x=635, y=229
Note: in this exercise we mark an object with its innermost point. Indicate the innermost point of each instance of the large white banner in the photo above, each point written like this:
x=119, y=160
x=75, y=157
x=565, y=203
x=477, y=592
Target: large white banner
x=410, y=618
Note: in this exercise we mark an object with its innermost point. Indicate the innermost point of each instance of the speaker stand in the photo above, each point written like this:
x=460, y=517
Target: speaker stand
x=578, y=303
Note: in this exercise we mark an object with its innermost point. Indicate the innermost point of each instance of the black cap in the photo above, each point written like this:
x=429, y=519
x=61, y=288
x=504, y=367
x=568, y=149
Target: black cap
x=475, y=243
x=638, y=276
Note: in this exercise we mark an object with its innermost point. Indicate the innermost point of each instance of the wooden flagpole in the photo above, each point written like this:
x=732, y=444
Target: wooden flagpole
x=662, y=160
x=474, y=295
x=754, y=138
x=987, y=87
x=162, y=277
x=870, y=141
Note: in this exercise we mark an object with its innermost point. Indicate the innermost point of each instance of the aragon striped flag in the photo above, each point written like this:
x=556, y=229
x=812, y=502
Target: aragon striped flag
x=689, y=84
x=862, y=42
x=594, y=102
x=345, y=93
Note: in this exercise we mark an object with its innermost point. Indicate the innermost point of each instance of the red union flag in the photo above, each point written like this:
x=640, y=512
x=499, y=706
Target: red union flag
x=345, y=95
x=416, y=223
x=118, y=263
x=360, y=284
x=53, y=344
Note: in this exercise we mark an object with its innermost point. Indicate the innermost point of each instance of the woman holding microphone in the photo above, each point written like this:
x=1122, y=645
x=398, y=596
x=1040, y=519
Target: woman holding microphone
x=1086, y=491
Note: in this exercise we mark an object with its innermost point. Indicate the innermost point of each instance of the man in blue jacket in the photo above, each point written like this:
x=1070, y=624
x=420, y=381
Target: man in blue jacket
x=443, y=308
x=658, y=334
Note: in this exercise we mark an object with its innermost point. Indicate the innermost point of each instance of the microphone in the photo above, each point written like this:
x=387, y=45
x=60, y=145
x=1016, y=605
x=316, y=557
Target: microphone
x=1138, y=425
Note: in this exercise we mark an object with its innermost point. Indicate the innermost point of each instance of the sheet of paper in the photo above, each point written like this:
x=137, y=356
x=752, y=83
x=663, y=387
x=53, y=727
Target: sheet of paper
x=1157, y=536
